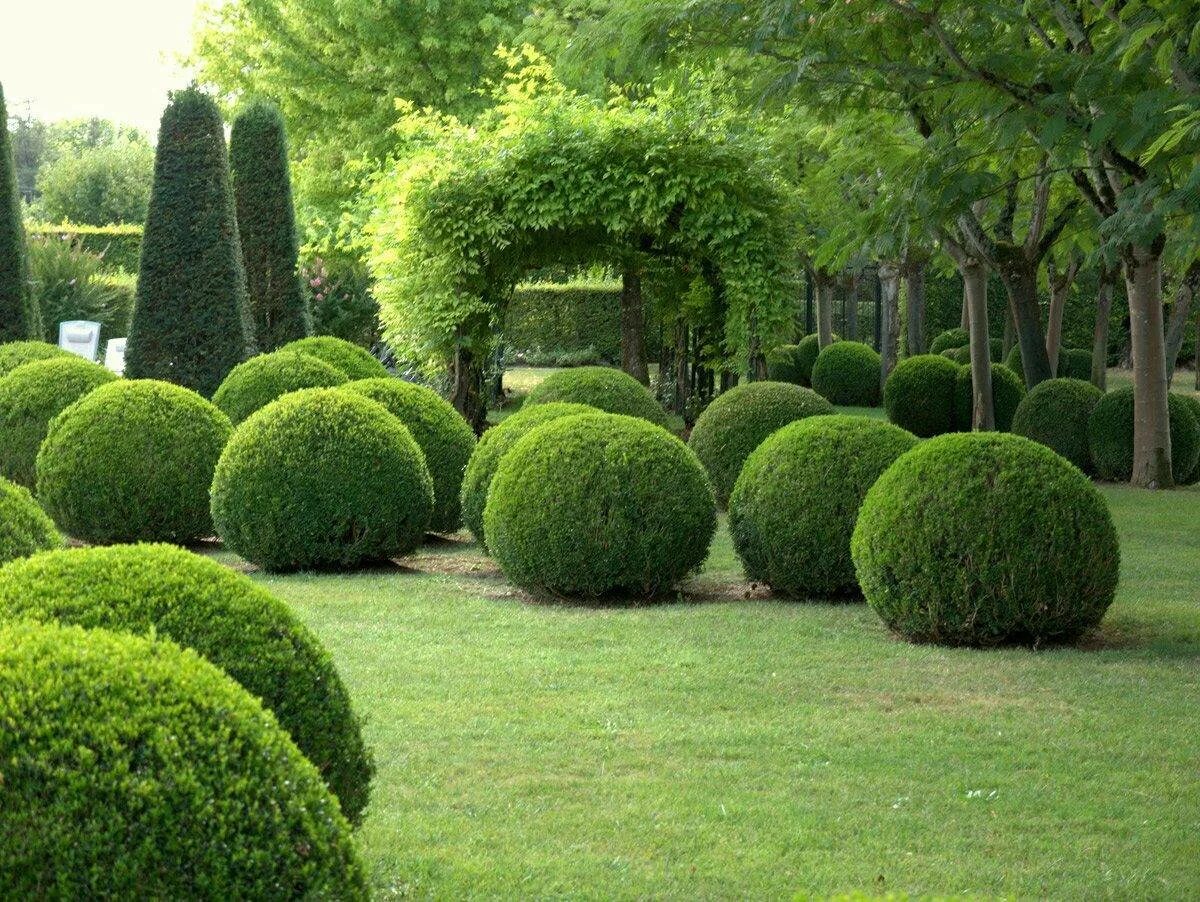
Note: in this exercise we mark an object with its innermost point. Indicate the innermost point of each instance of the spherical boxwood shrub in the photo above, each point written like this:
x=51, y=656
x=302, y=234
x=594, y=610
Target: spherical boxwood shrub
x=738, y=420
x=24, y=527
x=783, y=364
x=260, y=380
x=951, y=338
x=1110, y=436
x=807, y=352
x=492, y=447
x=598, y=504
x=255, y=638
x=1013, y=361
x=794, y=506
x=848, y=372
x=960, y=356
x=605, y=389
x=1193, y=404
x=919, y=394
x=442, y=434
x=984, y=539
x=132, y=461
x=18, y=353
x=1075, y=363
x=1007, y=392
x=135, y=769
x=353, y=361
x=321, y=478
x=1056, y=413
x=30, y=397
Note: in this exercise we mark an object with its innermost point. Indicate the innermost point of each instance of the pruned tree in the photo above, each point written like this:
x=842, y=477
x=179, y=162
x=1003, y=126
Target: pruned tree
x=19, y=315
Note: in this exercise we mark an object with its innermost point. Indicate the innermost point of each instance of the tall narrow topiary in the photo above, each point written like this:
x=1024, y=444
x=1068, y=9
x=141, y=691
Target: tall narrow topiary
x=262, y=189
x=191, y=324
x=19, y=317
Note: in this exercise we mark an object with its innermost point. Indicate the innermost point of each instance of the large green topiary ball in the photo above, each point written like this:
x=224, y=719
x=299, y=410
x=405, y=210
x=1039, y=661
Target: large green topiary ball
x=135, y=769
x=24, y=527
x=605, y=389
x=30, y=397
x=260, y=380
x=599, y=504
x=1110, y=436
x=223, y=616
x=807, y=352
x=1007, y=392
x=983, y=539
x=443, y=436
x=492, y=447
x=1193, y=404
x=951, y=338
x=795, y=504
x=132, y=461
x=960, y=356
x=1056, y=413
x=321, y=478
x=738, y=421
x=18, y=353
x=848, y=373
x=1075, y=363
x=919, y=394
x=783, y=365
x=353, y=361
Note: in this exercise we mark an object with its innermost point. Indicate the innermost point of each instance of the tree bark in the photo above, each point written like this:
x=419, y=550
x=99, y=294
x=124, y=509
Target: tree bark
x=682, y=383
x=633, y=326
x=1060, y=289
x=467, y=389
x=851, y=306
x=964, y=319
x=1019, y=276
x=1104, y=299
x=1010, y=332
x=824, y=311
x=914, y=298
x=889, y=332
x=1177, y=326
x=974, y=275
x=1151, y=422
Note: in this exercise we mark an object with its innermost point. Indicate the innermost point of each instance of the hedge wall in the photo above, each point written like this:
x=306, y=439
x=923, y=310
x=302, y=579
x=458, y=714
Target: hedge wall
x=565, y=319
x=120, y=246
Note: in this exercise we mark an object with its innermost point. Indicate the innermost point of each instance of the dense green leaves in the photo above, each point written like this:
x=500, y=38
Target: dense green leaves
x=24, y=527
x=19, y=317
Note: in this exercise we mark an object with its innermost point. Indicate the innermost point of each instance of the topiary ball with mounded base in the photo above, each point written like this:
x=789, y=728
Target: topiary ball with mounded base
x=599, y=504
x=255, y=638
x=959, y=356
x=795, y=504
x=919, y=394
x=609, y=390
x=1193, y=404
x=985, y=539
x=807, y=351
x=783, y=365
x=738, y=421
x=260, y=380
x=18, y=353
x=1056, y=413
x=322, y=478
x=1110, y=436
x=848, y=373
x=132, y=461
x=1007, y=392
x=135, y=769
x=951, y=338
x=353, y=361
x=24, y=527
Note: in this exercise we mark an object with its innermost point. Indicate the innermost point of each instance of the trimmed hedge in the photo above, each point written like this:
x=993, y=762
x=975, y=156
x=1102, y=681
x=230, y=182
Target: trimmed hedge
x=132, y=461
x=1193, y=404
x=919, y=394
x=1073, y=363
x=793, y=509
x=609, y=390
x=951, y=338
x=353, y=361
x=24, y=527
x=118, y=245
x=848, y=373
x=321, y=478
x=18, y=353
x=985, y=539
x=135, y=769
x=599, y=504
x=572, y=317
x=737, y=422
x=1055, y=413
x=260, y=380
x=1007, y=392
x=1110, y=436
x=783, y=365
x=807, y=351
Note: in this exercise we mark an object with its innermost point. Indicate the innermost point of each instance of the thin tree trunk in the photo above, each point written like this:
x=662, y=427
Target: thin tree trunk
x=633, y=326
x=974, y=275
x=914, y=299
x=889, y=332
x=1020, y=282
x=1177, y=326
x=1060, y=289
x=824, y=312
x=466, y=391
x=682, y=384
x=1104, y=299
x=1151, y=423
x=851, y=307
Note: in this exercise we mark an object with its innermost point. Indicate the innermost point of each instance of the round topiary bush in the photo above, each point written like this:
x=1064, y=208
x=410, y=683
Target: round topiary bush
x=492, y=447
x=18, y=353
x=132, y=461
x=919, y=394
x=598, y=504
x=353, y=361
x=1193, y=404
x=848, y=373
x=951, y=338
x=30, y=397
x=1056, y=413
x=795, y=504
x=1075, y=363
x=443, y=436
x=24, y=527
x=1013, y=362
x=135, y=769
x=221, y=615
x=807, y=352
x=737, y=422
x=783, y=365
x=1110, y=436
x=260, y=380
x=985, y=539
x=321, y=478
x=612, y=391
x=959, y=356
x=1007, y=392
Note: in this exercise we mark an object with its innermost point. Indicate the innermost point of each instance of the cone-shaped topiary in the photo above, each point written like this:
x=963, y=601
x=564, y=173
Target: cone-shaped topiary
x=191, y=324
x=951, y=338
x=599, y=504
x=135, y=769
x=983, y=539
x=19, y=353
x=795, y=504
x=783, y=365
x=807, y=352
x=24, y=527
x=223, y=616
x=1110, y=436
x=353, y=361
x=1193, y=404
x=1056, y=413
x=738, y=421
x=612, y=391
x=260, y=380
x=1007, y=392
x=848, y=372
x=19, y=315
x=262, y=187
x=919, y=394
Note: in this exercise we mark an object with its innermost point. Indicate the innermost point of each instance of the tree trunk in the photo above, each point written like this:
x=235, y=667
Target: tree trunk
x=974, y=275
x=467, y=389
x=1104, y=299
x=1010, y=333
x=1177, y=327
x=1058, y=303
x=633, y=326
x=1151, y=423
x=964, y=319
x=682, y=384
x=824, y=312
x=851, y=308
x=1020, y=282
x=914, y=294
x=889, y=331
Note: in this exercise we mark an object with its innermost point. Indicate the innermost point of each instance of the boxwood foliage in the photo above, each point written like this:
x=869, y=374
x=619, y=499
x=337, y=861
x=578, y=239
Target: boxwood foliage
x=795, y=503
x=1073, y=363
x=919, y=394
x=321, y=478
x=610, y=390
x=135, y=769
x=260, y=380
x=132, y=461
x=960, y=356
x=20, y=317
x=18, y=353
x=848, y=372
x=951, y=338
x=1056, y=413
x=24, y=527
x=984, y=539
x=1110, y=436
x=599, y=504
x=1193, y=404
x=222, y=615
x=441, y=433
x=783, y=365
x=738, y=421
x=1007, y=392
x=807, y=350
x=30, y=397
x=353, y=361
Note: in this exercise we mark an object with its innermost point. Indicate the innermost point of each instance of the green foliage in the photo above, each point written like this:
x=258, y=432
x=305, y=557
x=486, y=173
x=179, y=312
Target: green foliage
x=985, y=539
x=575, y=316
x=848, y=372
x=1193, y=404
x=136, y=769
x=118, y=246
x=610, y=390
x=191, y=323
x=342, y=303
x=355, y=362
x=164, y=591
x=69, y=283
x=98, y=186
x=951, y=338
x=959, y=356
x=321, y=478
x=807, y=351
x=19, y=315
x=132, y=461
x=18, y=353
x=1110, y=436
x=919, y=394
x=1056, y=413
x=784, y=365
x=24, y=527
x=599, y=504
x=260, y=380
x=795, y=504
x=1075, y=363
x=1007, y=392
